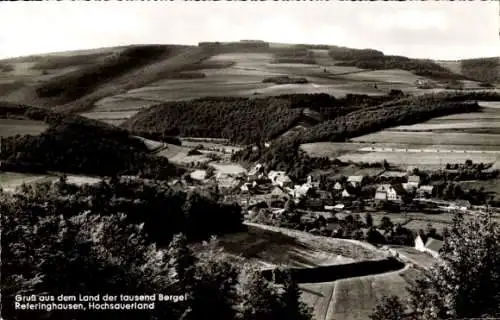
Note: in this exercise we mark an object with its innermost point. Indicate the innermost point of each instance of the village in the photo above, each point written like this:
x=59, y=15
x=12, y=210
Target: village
x=333, y=206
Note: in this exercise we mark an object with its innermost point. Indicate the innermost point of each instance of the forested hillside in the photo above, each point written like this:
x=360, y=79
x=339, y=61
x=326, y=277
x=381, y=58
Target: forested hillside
x=246, y=120
x=78, y=145
x=284, y=153
x=241, y=120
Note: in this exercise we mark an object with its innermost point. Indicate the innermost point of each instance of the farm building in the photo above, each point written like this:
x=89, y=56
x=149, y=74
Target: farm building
x=389, y=192
x=346, y=194
x=409, y=187
x=425, y=191
x=355, y=181
x=301, y=191
x=432, y=246
x=256, y=171
x=199, y=175
x=280, y=178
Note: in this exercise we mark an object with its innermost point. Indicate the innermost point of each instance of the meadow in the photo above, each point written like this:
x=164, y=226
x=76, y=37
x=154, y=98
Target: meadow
x=355, y=298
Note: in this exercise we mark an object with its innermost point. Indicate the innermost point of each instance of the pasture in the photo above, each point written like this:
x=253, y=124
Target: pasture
x=10, y=181
x=423, y=160
x=355, y=298
x=179, y=155
x=12, y=127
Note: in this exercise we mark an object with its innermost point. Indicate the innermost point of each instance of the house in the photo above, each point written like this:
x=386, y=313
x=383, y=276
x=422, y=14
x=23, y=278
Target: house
x=419, y=243
x=301, y=191
x=278, y=193
x=414, y=180
x=432, y=246
x=392, y=192
x=425, y=191
x=176, y=183
x=312, y=183
x=256, y=170
x=380, y=196
x=409, y=187
x=199, y=175
x=337, y=207
x=355, y=181
x=338, y=186
x=346, y=194
x=245, y=188
x=463, y=205
x=280, y=178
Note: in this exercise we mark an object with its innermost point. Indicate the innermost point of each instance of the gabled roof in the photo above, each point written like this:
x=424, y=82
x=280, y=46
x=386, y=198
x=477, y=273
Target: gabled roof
x=434, y=244
x=426, y=188
x=398, y=187
x=355, y=179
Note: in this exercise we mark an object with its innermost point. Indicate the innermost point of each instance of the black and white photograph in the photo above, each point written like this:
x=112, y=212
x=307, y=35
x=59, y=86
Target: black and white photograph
x=250, y=160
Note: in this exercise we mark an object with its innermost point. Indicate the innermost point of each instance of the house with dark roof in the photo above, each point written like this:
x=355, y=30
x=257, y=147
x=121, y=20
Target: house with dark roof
x=425, y=191
x=432, y=246
x=355, y=181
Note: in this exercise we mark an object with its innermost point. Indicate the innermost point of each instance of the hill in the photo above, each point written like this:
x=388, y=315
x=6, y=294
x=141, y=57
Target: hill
x=246, y=120
x=284, y=153
x=95, y=76
x=74, y=144
x=112, y=84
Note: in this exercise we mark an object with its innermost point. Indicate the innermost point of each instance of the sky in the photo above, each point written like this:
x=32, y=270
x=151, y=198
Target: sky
x=436, y=30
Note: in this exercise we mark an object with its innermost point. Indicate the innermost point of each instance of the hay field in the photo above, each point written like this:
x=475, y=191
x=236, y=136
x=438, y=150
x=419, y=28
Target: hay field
x=430, y=138
x=420, y=159
x=11, y=127
x=352, y=249
x=178, y=155
x=266, y=246
x=230, y=169
x=10, y=181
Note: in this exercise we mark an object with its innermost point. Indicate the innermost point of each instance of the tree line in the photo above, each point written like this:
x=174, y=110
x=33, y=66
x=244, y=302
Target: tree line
x=75, y=145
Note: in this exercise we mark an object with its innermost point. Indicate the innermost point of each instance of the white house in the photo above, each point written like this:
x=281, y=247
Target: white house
x=409, y=186
x=301, y=191
x=391, y=194
x=312, y=183
x=337, y=186
x=355, y=181
x=346, y=194
x=280, y=178
x=425, y=191
x=414, y=181
x=419, y=244
x=432, y=246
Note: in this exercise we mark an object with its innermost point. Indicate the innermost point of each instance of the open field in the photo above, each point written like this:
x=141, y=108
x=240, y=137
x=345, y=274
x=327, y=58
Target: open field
x=10, y=181
x=352, y=249
x=232, y=169
x=179, y=155
x=421, y=160
x=241, y=74
x=355, y=298
x=11, y=127
x=430, y=138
